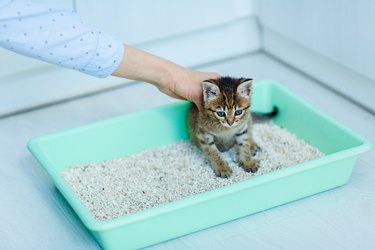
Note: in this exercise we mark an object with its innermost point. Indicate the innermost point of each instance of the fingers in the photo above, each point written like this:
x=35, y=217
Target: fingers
x=212, y=75
x=196, y=101
x=198, y=104
x=188, y=85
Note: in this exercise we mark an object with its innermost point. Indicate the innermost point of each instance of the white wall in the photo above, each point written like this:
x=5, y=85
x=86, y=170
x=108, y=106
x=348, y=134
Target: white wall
x=187, y=32
x=343, y=30
x=144, y=21
x=332, y=41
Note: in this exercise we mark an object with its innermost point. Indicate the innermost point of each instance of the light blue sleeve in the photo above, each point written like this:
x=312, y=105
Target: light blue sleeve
x=55, y=34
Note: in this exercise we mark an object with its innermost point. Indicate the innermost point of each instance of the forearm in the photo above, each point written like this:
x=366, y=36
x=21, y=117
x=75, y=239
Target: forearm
x=170, y=78
x=142, y=66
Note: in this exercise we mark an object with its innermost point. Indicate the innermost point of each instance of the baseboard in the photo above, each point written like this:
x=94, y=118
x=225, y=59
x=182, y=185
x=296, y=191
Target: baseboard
x=333, y=75
x=211, y=44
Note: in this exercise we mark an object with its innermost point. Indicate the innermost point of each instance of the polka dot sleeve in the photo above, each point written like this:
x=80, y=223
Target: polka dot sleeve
x=55, y=34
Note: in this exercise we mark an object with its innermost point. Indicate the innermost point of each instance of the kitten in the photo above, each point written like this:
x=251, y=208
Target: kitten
x=223, y=122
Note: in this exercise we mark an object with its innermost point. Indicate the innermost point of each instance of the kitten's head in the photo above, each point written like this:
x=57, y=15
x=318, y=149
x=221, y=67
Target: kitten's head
x=226, y=100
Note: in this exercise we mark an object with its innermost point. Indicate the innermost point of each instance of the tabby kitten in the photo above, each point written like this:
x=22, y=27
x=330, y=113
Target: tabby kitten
x=223, y=122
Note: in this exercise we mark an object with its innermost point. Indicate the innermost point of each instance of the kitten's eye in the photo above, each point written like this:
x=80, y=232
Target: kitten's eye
x=238, y=112
x=220, y=113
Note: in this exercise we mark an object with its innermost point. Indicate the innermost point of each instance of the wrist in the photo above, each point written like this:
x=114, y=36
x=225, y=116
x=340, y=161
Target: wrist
x=172, y=74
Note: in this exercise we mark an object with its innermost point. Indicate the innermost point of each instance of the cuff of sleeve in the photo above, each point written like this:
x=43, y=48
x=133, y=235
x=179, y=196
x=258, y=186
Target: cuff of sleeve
x=106, y=58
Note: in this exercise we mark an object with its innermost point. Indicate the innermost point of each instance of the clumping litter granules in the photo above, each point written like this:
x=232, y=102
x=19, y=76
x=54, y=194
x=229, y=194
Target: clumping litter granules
x=121, y=186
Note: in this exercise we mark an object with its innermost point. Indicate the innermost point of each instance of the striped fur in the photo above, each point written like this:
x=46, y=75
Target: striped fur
x=224, y=121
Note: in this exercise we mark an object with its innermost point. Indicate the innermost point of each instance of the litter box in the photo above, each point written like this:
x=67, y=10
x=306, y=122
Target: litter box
x=119, y=137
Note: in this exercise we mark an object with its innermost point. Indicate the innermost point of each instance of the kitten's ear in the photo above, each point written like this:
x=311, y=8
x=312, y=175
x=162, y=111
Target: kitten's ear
x=210, y=91
x=244, y=88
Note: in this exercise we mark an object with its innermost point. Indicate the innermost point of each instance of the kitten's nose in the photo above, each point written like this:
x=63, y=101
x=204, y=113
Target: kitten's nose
x=230, y=121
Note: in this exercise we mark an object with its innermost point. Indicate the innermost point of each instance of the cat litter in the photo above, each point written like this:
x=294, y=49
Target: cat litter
x=117, y=187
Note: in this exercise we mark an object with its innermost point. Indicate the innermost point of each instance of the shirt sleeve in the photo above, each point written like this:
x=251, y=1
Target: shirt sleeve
x=55, y=34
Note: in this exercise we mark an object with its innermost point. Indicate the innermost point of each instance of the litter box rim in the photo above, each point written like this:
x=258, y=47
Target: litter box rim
x=96, y=225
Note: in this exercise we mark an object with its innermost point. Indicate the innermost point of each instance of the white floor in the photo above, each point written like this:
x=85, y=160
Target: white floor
x=33, y=214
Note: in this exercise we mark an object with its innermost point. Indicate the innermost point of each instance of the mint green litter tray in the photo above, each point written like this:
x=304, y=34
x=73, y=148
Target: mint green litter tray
x=118, y=137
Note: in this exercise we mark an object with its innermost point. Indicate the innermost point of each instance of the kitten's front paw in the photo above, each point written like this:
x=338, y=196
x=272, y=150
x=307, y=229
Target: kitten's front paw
x=249, y=166
x=223, y=171
x=256, y=150
x=253, y=146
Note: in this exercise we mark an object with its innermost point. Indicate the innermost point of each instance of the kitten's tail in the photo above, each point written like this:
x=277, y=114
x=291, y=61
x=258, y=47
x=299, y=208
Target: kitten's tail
x=264, y=117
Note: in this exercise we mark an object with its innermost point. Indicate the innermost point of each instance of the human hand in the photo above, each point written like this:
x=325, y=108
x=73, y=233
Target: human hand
x=170, y=78
x=186, y=84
